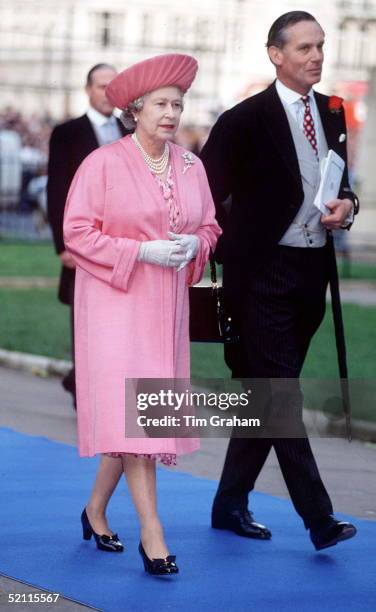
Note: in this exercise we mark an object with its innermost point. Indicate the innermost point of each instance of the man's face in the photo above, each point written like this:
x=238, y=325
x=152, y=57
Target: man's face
x=96, y=90
x=299, y=61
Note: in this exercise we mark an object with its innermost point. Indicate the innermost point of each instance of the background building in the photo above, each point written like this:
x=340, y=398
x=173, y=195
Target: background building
x=47, y=47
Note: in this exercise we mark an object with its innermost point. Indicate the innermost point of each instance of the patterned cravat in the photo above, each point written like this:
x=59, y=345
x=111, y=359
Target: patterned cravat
x=167, y=188
x=309, y=126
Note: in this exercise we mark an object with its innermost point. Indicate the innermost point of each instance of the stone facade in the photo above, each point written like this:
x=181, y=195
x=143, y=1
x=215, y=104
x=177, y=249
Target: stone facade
x=47, y=46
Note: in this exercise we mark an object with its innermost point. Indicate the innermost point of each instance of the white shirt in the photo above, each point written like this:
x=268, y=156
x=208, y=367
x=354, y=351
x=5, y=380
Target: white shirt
x=305, y=231
x=292, y=101
x=106, y=128
x=293, y=104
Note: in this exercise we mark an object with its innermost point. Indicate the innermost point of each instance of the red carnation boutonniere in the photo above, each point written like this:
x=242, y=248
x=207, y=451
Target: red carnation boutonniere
x=335, y=104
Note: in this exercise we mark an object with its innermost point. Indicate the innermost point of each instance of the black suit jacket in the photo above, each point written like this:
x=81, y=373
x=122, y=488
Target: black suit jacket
x=70, y=143
x=254, y=175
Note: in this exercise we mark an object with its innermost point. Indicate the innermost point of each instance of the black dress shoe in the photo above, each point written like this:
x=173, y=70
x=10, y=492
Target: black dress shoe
x=240, y=522
x=329, y=532
x=67, y=385
x=158, y=567
x=104, y=542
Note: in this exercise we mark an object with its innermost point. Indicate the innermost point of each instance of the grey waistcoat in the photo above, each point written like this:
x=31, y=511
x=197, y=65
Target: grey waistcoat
x=306, y=229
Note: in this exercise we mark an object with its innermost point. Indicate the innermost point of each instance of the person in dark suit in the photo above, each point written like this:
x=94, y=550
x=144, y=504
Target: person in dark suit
x=263, y=157
x=70, y=143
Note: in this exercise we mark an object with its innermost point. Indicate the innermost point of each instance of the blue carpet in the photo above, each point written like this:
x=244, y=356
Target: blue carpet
x=45, y=484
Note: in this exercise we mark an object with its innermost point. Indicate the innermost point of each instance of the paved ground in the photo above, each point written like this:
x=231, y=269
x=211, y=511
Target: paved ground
x=358, y=292
x=38, y=406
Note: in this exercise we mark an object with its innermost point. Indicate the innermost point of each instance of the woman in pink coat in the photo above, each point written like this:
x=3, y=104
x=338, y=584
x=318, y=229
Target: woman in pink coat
x=140, y=224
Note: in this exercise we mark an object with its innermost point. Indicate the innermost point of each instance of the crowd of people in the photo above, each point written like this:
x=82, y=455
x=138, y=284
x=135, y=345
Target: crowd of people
x=34, y=129
x=34, y=132
x=25, y=154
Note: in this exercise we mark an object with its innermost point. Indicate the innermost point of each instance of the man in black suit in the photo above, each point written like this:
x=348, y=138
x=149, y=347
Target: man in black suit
x=70, y=143
x=263, y=156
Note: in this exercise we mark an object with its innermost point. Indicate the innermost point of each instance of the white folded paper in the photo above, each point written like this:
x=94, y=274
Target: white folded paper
x=332, y=167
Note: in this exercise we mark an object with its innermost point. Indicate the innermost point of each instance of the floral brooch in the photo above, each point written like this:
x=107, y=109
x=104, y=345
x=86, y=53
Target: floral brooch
x=335, y=104
x=188, y=161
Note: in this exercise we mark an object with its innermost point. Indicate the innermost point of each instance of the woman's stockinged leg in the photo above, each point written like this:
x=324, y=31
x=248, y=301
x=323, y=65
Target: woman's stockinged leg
x=141, y=479
x=107, y=478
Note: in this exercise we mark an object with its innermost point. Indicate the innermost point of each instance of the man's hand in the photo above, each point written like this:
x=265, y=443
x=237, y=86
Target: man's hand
x=67, y=260
x=339, y=211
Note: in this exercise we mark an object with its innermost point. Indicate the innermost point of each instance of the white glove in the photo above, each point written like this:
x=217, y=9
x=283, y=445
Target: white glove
x=189, y=244
x=161, y=253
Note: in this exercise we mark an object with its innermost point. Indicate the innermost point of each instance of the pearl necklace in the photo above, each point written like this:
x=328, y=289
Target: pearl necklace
x=157, y=166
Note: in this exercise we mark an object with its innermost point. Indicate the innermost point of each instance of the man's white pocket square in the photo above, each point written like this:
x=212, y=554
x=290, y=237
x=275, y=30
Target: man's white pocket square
x=342, y=138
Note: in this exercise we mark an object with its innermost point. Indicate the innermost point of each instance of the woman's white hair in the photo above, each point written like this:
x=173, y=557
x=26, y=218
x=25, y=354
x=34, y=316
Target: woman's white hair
x=127, y=115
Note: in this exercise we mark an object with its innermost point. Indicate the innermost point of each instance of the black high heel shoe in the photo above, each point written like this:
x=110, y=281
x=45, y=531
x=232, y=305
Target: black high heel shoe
x=104, y=542
x=158, y=567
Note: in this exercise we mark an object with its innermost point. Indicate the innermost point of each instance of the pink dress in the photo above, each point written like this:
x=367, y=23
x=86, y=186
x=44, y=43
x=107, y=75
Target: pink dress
x=131, y=318
x=167, y=190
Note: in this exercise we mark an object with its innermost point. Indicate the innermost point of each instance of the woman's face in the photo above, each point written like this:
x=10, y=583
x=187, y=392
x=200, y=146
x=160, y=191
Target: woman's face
x=160, y=115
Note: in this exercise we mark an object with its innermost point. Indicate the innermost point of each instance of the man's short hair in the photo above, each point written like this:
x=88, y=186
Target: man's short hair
x=89, y=78
x=277, y=33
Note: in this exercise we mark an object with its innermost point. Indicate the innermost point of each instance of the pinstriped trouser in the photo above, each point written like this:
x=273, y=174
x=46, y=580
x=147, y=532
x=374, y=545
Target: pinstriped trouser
x=278, y=314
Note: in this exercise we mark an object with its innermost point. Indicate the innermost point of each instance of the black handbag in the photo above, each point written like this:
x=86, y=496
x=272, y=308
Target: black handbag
x=208, y=319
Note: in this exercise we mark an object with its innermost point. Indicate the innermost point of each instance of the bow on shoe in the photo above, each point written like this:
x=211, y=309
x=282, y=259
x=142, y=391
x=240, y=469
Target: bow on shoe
x=158, y=567
x=111, y=541
x=164, y=566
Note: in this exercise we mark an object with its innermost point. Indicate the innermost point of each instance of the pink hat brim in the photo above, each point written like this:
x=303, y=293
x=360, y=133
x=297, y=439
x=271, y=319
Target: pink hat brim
x=161, y=71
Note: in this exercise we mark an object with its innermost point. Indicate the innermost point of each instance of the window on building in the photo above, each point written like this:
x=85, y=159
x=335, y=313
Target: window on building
x=109, y=28
x=178, y=30
x=202, y=33
x=356, y=43
x=371, y=39
x=147, y=29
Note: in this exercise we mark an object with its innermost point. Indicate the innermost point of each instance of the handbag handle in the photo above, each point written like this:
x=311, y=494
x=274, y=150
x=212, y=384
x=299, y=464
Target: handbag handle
x=213, y=271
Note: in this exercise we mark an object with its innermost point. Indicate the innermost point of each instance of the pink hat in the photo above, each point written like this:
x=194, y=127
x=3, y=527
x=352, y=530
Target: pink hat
x=146, y=76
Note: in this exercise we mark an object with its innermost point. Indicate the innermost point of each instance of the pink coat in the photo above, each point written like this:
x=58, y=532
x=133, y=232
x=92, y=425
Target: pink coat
x=131, y=318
